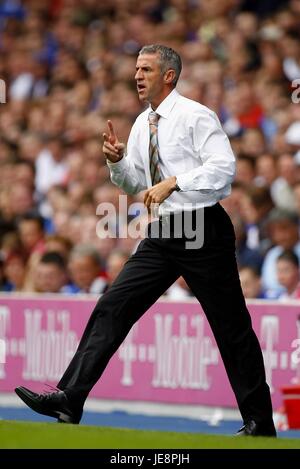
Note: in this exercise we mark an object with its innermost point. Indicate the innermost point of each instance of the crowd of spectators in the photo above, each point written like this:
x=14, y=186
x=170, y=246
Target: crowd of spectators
x=68, y=66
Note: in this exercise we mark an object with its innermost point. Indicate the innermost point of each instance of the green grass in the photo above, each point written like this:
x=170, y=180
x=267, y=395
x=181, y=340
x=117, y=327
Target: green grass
x=52, y=435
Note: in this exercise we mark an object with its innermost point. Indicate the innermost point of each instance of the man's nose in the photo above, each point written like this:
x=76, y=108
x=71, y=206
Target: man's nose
x=138, y=74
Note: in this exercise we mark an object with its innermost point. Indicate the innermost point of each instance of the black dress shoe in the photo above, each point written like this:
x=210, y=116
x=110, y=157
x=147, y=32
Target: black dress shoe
x=251, y=428
x=54, y=404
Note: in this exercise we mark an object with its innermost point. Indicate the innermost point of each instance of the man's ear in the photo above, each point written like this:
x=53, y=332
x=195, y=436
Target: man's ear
x=169, y=76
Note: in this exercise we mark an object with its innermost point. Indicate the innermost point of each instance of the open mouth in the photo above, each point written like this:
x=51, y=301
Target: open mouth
x=140, y=87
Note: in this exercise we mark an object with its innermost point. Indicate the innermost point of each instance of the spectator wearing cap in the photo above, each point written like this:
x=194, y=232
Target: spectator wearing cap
x=283, y=229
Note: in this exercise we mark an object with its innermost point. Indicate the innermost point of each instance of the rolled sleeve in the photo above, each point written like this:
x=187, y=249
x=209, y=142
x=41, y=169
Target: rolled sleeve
x=216, y=168
x=129, y=173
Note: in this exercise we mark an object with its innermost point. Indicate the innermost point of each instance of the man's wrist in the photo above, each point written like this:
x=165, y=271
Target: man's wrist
x=116, y=161
x=176, y=188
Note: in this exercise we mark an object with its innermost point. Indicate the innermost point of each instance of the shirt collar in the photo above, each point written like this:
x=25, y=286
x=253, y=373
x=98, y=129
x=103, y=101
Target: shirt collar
x=167, y=104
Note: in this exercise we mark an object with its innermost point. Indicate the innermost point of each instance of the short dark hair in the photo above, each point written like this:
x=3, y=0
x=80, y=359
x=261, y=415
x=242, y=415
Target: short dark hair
x=260, y=197
x=38, y=219
x=53, y=258
x=168, y=58
x=29, y=164
x=253, y=269
x=247, y=158
x=289, y=256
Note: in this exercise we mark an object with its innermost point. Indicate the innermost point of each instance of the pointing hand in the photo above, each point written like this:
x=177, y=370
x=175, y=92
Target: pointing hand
x=112, y=148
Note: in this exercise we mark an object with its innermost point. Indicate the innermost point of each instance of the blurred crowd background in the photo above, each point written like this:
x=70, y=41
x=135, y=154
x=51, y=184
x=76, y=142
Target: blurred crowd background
x=68, y=66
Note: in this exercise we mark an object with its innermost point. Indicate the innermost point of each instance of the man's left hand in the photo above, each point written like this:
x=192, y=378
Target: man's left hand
x=158, y=193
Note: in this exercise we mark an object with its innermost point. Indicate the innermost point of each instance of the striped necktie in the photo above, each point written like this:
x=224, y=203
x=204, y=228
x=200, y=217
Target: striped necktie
x=153, y=148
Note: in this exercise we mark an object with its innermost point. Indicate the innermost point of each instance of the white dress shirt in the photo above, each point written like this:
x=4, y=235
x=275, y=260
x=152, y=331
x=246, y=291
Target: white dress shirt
x=192, y=146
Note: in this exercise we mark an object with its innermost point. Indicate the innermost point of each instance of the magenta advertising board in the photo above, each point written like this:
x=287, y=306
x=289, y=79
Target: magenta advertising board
x=169, y=356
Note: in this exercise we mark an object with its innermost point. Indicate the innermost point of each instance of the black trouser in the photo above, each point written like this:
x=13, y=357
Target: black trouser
x=212, y=275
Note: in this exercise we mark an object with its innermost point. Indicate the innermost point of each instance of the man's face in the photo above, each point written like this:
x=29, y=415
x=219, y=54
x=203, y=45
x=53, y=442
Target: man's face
x=49, y=278
x=30, y=233
x=250, y=283
x=149, y=79
x=287, y=274
x=284, y=233
x=114, y=266
x=84, y=270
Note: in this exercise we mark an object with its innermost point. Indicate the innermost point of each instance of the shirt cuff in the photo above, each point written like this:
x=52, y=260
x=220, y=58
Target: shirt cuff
x=183, y=183
x=118, y=165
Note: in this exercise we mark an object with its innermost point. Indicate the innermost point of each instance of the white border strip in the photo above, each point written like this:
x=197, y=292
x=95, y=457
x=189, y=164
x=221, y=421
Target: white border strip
x=212, y=415
x=92, y=297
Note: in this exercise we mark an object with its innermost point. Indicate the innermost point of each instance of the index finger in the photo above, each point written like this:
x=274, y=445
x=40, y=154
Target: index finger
x=111, y=129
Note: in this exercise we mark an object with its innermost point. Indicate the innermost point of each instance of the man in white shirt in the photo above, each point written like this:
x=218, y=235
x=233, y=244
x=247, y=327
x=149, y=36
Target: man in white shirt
x=179, y=153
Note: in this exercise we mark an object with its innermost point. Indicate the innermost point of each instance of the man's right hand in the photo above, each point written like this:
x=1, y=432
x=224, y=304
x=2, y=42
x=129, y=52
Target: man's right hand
x=112, y=148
